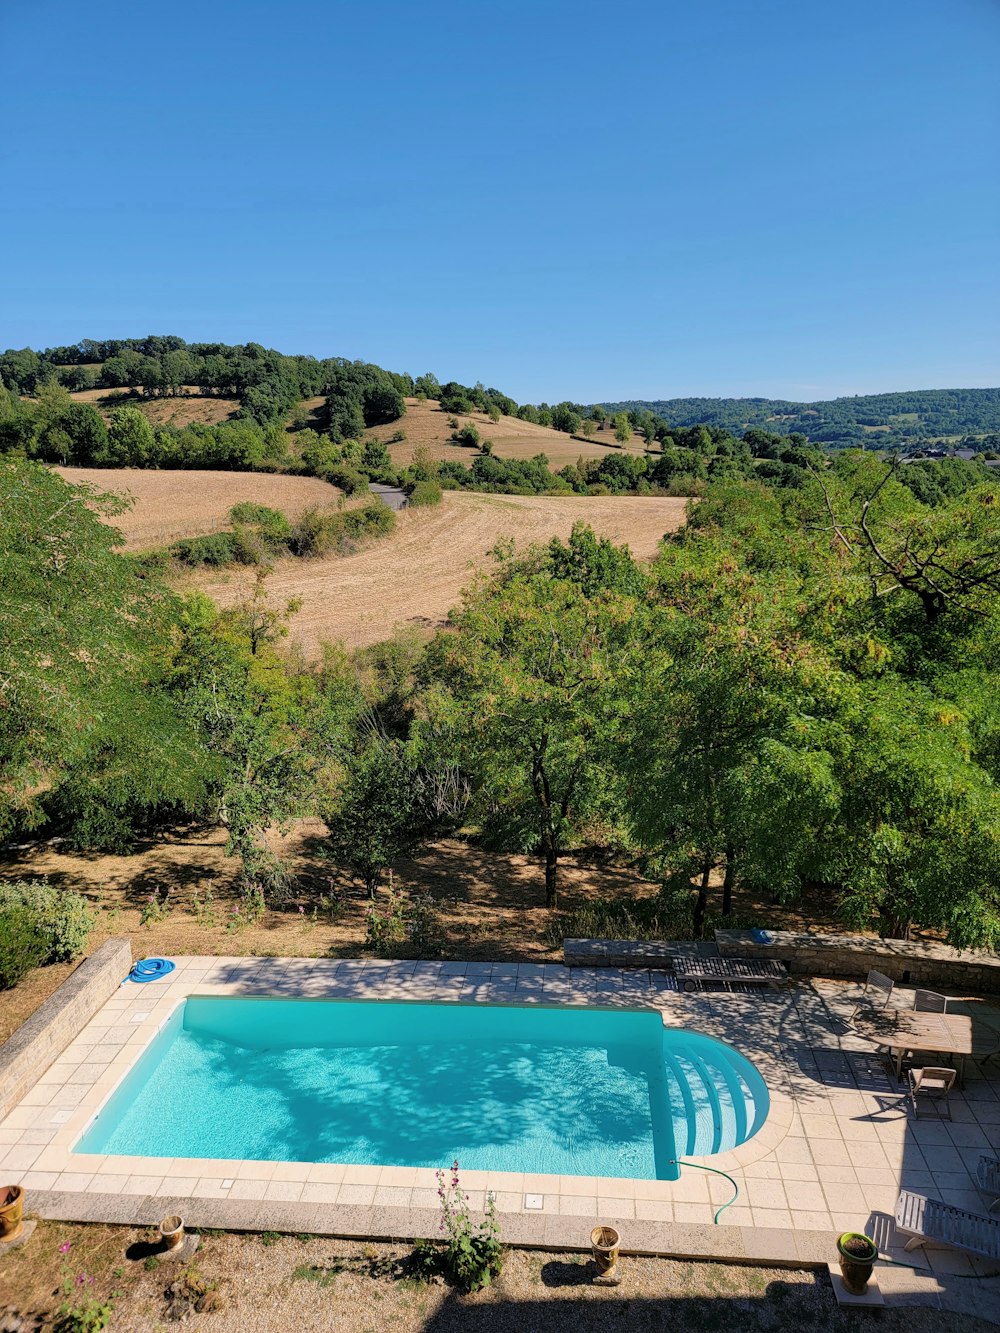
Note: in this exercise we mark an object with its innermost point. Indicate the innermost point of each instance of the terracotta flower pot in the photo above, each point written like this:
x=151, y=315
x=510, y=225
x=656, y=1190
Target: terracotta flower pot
x=857, y=1259
x=11, y=1211
x=605, y=1242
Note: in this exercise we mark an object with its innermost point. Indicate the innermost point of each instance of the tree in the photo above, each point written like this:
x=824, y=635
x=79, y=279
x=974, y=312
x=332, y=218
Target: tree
x=256, y=723
x=623, y=428
x=527, y=681
x=377, y=815
x=130, y=439
x=86, y=723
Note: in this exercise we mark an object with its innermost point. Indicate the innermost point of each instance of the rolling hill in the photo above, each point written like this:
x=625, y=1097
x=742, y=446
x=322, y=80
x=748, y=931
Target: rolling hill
x=898, y=417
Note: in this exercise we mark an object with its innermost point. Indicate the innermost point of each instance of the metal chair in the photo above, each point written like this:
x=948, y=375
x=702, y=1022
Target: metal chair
x=932, y=1084
x=988, y=1178
x=929, y=1002
x=878, y=989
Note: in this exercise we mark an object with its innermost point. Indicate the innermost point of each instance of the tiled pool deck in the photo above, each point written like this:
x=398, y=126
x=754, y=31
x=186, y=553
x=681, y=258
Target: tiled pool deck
x=837, y=1146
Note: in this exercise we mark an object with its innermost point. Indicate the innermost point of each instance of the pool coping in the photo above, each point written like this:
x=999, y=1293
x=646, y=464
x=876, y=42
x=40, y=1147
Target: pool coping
x=653, y=1216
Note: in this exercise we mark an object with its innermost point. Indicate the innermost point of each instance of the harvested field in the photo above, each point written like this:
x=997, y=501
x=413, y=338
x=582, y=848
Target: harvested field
x=426, y=424
x=414, y=577
x=170, y=505
x=184, y=409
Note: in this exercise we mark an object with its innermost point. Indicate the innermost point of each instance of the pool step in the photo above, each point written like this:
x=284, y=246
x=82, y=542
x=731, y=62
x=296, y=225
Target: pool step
x=712, y=1108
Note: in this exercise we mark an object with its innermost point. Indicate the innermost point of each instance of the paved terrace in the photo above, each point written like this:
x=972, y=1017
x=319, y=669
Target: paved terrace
x=836, y=1148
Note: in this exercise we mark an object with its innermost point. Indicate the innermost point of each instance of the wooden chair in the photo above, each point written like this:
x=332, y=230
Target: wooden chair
x=878, y=989
x=929, y=1002
x=933, y=1085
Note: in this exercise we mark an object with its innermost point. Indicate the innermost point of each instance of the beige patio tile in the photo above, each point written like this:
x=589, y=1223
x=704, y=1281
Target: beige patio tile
x=397, y=1196
x=73, y=1180
x=326, y=1173
x=108, y=1184
x=402, y=1175
x=768, y=1168
x=844, y=1198
x=247, y=1189
x=796, y=1150
x=804, y=1220
x=286, y=1191
x=39, y=1180
x=764, y=1194
x=362, y=1175
x=654, y=1210
x=507, y=1201
x=791, y=1171
x=211, y=1187
x=736, y=1217
x=820, y=1126
x=771, y=1217
x=831, y=1152
x=362, y=1195
x=317, y=1192
x=142, y=1184
x=616, y=1207
x=578, y=1205
x=690, y=1188
x=805, y=1196
x=179, y=1187
x=588, y=1185
x=699, y=1213
x=291, y=1171
x=876, y=1175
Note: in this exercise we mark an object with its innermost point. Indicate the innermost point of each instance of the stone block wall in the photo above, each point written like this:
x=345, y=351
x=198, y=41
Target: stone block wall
x=908, y=962
x=42, y=1038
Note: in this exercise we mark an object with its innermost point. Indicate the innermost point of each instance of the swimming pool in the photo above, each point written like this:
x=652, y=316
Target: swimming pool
x=562, y=1091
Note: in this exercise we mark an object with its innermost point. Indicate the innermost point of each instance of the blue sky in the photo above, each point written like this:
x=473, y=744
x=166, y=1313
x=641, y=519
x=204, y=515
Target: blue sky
x=565, y=200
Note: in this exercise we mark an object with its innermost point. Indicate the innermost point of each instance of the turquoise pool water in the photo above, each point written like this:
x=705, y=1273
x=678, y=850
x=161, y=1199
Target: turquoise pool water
x=569, y=1091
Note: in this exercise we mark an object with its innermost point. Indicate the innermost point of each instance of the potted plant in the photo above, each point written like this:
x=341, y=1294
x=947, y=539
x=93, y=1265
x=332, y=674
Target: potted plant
x=858, y=1253
x=11, y=1211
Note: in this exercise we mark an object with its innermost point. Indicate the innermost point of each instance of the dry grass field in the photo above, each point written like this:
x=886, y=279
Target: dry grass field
x=414, y=577
x=426, y=424
x=190, y=406
x=170, y=505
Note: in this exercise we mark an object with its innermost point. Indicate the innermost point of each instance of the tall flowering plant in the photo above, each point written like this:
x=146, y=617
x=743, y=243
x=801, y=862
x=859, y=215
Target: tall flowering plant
x=473, y=1253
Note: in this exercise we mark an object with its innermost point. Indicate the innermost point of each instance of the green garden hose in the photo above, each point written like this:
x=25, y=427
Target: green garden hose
x=680, y=1161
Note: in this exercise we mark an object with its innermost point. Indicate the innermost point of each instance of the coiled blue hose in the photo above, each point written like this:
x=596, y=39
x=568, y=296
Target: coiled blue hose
x=150, y=969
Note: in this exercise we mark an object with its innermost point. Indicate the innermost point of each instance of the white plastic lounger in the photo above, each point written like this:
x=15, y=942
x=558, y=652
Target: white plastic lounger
x=931, y=1220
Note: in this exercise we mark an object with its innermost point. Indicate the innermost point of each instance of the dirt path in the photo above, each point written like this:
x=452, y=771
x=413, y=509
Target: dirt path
x=414, y=577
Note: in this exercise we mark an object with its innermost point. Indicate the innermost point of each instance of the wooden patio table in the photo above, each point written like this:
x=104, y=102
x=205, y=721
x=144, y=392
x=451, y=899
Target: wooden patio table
x=902, y=1030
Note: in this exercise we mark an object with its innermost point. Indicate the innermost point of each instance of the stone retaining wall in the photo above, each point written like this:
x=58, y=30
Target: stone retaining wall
x=911, y=962
x=41, y=1039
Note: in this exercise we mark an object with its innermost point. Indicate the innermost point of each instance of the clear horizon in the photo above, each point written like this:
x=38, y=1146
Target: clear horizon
x=665, y=201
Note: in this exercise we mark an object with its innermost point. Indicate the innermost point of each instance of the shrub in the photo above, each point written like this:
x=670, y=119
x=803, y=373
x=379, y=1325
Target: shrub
x=272, y=524
x=425, y=493
x=337, y=531
x=63, y=918
x=349, y=479
x=467, y=435
x=216, y=548
x=22, y=944
x=397, y=437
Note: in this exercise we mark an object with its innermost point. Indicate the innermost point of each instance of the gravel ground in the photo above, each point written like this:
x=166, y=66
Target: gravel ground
x=271, y=1283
